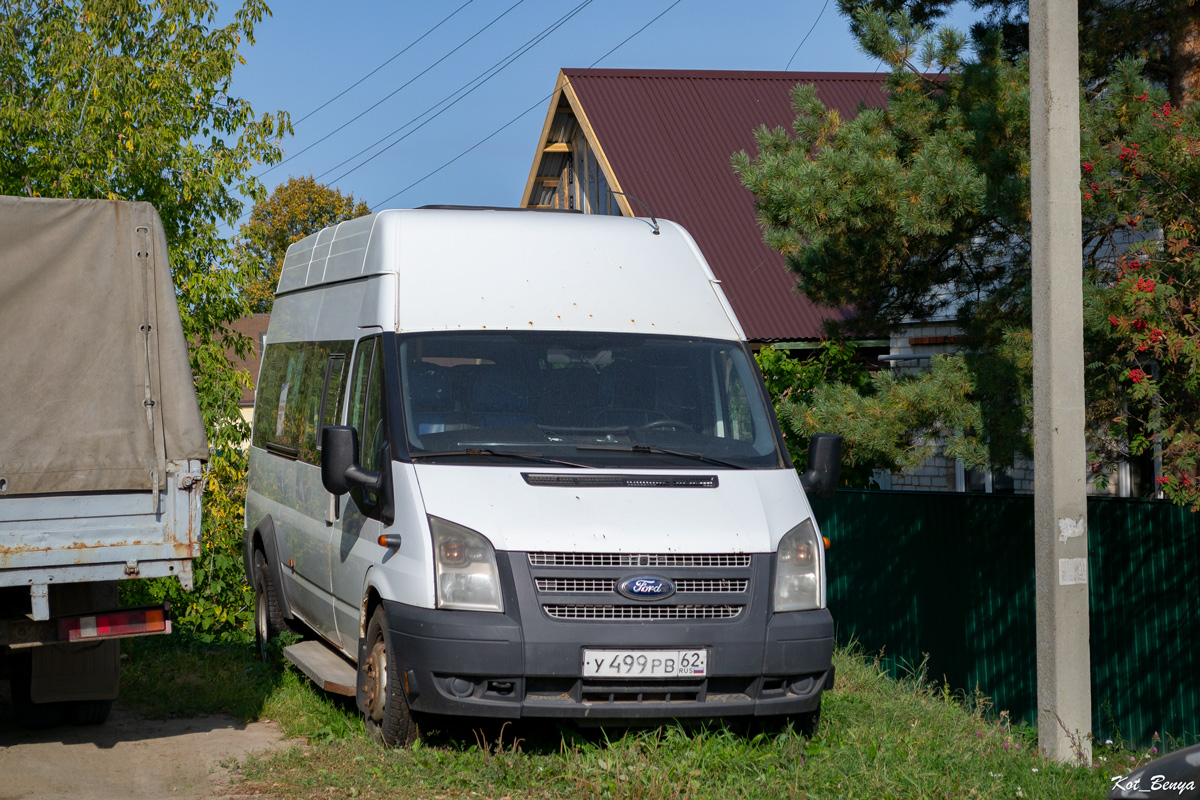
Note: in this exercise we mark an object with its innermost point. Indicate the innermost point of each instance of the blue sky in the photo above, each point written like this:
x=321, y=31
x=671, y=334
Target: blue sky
x=311, y=50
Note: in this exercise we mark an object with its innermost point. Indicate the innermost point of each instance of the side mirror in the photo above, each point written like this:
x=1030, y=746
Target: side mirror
x=824, y=463
x=340, y=470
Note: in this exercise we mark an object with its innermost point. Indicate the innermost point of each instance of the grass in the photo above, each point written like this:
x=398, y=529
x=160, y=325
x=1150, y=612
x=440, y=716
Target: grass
x=179, y=676
x=879, y=738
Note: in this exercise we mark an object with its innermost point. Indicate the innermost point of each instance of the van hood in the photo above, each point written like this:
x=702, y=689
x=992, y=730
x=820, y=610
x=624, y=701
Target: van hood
x=748, y=511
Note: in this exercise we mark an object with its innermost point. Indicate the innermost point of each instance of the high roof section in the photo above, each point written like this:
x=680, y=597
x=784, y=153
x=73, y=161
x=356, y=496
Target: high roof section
x=665, y=137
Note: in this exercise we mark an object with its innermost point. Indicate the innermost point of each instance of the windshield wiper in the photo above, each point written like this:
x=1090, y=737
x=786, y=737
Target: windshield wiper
x=657, y=451
x=487, y=451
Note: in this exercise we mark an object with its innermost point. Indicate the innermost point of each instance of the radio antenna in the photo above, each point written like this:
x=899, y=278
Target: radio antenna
x=654, y=222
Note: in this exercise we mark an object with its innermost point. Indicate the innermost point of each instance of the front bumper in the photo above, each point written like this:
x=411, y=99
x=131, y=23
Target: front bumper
x=523, y=663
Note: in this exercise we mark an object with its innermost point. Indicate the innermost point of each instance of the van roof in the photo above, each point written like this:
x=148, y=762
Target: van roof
x=461, y=268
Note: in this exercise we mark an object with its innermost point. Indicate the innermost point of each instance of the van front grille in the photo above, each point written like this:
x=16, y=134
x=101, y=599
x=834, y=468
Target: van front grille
x=602, y=585
x=712, y=585
x=576, y=585
x=660, y=560
x=640, y=613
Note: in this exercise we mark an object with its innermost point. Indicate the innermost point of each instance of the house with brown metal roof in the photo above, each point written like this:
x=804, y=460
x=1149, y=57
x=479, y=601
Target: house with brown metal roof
x=640, y=142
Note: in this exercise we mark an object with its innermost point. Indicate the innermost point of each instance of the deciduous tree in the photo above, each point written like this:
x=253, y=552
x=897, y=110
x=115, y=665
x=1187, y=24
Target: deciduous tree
x=1141, y=200
x=295, y=209
x=131, y=99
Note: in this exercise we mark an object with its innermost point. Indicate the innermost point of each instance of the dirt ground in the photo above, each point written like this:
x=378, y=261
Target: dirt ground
x=127, y=758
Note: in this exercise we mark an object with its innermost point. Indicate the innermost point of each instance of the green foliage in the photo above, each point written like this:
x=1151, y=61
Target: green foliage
x=791, y=382
x=900, y=423
x=895, y=421
x=297, y=208
x=795, y=379
x=221, y=606
x=1003, y=378
x=130, y=100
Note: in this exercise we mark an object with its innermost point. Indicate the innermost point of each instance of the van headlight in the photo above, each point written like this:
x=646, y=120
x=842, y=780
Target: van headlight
x=798, y=569
x=465, y=566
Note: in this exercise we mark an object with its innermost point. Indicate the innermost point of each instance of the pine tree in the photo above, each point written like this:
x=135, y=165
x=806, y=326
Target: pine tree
x=923, y=208
x=1165, y=34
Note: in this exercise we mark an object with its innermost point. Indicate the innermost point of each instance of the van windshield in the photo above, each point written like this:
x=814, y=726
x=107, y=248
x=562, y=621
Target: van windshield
x=585, y=400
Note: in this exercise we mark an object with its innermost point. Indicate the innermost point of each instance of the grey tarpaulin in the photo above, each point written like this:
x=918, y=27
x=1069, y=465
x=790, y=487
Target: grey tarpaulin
x=96, y=391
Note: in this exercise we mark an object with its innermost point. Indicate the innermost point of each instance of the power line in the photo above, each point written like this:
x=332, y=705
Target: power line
x=384, y=64
x=478, y=80
x=805, y=39
x=542, y=100
x=393, y=93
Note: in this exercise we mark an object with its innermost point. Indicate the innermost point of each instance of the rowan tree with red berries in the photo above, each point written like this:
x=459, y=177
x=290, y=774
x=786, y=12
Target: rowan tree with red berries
x=1141, y=203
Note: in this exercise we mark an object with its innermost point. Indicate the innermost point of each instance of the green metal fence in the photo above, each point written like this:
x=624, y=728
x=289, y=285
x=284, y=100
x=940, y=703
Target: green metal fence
x=951, y=576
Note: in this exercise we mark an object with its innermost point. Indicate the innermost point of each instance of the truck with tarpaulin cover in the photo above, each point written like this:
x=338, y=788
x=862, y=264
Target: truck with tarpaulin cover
x=101, y=448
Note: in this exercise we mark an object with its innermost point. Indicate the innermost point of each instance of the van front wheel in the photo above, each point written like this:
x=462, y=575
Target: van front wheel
x=268, y=619
x=388, y=718
x=808, y=723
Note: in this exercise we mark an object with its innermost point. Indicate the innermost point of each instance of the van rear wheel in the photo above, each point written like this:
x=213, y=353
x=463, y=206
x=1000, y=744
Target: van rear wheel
x=268, y=619
x=380, y=688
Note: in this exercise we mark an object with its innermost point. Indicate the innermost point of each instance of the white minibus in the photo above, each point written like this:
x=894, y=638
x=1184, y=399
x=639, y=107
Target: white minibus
x=511, y=464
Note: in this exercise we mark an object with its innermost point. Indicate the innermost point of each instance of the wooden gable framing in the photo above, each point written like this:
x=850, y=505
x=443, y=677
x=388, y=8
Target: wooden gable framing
x=570, y=170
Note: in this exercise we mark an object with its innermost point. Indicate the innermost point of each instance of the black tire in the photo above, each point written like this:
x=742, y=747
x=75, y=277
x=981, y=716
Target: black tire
x=89, y=712
x=808, y=723
x=381, y=686
x=268, y=618
x=31, y=715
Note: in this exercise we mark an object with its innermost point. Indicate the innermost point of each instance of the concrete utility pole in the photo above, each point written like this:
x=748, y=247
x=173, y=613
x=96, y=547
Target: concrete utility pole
x=1059, y=452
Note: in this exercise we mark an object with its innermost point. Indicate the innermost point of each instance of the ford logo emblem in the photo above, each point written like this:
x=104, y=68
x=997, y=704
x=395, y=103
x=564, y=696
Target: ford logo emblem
x=646, y=587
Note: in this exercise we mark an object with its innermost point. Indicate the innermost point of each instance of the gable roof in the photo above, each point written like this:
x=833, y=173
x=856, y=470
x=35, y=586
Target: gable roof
x=666, y=137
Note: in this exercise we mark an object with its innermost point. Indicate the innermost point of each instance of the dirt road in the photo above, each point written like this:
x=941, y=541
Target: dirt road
x=127, y=758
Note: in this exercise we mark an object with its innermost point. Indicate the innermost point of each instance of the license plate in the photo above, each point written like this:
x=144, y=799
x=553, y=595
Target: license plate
x=645, y=663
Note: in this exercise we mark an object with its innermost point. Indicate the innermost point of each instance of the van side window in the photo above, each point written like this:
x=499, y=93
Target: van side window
x=366, y=402
x=740, y=424
x=297, y=390
x=335, y=390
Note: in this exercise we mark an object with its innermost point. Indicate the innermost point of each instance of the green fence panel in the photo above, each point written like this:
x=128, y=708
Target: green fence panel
x=949, y=578
x=1145, y=606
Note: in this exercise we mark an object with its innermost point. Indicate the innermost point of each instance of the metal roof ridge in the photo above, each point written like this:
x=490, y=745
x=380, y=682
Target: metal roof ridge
x=727, y=74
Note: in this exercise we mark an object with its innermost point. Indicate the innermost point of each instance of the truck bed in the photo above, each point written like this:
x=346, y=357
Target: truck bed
x=55, y=539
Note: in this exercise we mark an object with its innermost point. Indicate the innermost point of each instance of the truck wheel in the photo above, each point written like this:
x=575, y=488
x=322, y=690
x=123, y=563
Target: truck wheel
x=388, y=718
x=30, y=715
x=89, y=712
x=268, y=619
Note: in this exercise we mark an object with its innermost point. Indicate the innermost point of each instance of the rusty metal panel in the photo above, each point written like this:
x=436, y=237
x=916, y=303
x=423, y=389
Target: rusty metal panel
x=102, y=536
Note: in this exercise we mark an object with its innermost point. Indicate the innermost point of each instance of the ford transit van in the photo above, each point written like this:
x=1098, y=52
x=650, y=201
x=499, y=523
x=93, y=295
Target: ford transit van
x=521, y=464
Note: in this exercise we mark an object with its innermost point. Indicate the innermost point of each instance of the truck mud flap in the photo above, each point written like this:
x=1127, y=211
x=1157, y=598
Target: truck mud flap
x=80, y=671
